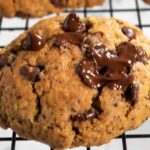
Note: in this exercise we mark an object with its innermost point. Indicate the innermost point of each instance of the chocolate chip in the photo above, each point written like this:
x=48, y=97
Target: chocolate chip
x=106, y=67
x=78, y=117
x=3, y=60
x=72, y=23
x=131, y=93
x=65, y=38
x=76, y=130
x=30, y=72
x=89, y=25
x=101, y=66
x=90, y=114
x=33, y=41
x=142, y=57
x=90, y=39
x=103, y=70
x=59, y=3
x=89, y=74
x=6, y=59
x=128, y=32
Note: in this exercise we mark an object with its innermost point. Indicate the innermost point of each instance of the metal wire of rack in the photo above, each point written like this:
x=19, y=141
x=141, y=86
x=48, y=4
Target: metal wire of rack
x=111, y=10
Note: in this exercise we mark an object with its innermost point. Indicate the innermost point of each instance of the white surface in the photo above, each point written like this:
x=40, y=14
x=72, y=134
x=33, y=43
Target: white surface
x=123, y=4
x=116, y=144
x=7, y=36
x=127, y=16
x=15, y=22
x=5, y=145
x=138, y=144
x=27, y=145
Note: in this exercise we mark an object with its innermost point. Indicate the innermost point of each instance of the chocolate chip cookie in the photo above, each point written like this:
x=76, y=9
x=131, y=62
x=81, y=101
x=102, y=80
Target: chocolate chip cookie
x=38, y=8
x=71, y=81
x=147, y=1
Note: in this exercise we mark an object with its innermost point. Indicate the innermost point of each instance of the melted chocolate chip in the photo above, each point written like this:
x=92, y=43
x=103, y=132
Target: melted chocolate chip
x=142, y=55
x=88, y=72
x=110, y=68
x=128, y=32
x=73, y=23
x=33, y=41
x=82, y=40
x=90, y=39
x=90, y=114
x=59, y=3
x=29, y=72
x=89, y=25
x=101, y=66
x=131, y=93
x=63, y=39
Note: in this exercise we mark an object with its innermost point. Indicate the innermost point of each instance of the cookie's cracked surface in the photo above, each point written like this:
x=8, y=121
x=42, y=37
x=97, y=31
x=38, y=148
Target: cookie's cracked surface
x=47, y=94
x=38, y=8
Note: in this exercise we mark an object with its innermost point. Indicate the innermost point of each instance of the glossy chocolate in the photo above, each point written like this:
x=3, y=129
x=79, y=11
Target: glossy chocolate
x=101, y=66
x=131, y=93
x=72, y=23
x=129, y=32
x=110, y=68
x=89, y=39
x=30, y=72
x=71, y=37
x=33, y=41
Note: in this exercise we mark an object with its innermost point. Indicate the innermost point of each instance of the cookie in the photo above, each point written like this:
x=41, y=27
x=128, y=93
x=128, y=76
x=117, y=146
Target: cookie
x=147, y=1
x=71, y=81
x=36, y=8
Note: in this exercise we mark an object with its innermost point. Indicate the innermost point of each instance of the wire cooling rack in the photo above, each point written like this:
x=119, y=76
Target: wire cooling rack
x=134, y=11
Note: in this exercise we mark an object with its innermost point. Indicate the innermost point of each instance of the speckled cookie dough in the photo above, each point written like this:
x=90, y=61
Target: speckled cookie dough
x=71, y=81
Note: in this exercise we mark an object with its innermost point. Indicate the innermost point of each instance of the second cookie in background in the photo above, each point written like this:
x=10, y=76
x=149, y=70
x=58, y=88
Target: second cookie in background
x=38, y=8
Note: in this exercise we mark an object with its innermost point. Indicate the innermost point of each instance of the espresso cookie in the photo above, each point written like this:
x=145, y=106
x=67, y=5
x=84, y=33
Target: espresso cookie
x=38, y=8
x=71, y=81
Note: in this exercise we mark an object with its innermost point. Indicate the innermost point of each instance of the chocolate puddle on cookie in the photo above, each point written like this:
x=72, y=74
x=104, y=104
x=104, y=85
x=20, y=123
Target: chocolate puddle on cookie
x=100, y=66
x=103, y=67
